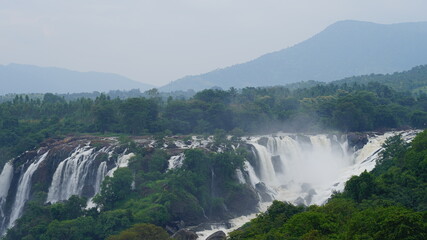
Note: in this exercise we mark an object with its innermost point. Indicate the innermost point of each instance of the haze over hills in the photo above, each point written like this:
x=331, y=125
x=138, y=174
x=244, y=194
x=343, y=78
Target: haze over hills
x=18, y=78
x=344, y=49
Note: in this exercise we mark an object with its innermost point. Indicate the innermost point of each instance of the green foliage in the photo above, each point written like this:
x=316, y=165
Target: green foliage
x=360, y=187
x=81, y=228
x=267, y=225
x=139, y=115
x=407, y=81
x=142, y=232
x=199, y=189
x=394, y=223
x=114, y=189
x=70, y=209
x=346, y=106
x=308, y=222
x=205, y=182
x=112, y=222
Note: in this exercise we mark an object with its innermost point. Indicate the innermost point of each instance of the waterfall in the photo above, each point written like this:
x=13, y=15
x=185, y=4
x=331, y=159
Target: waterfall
x=253, y=178
x=5, y=180
x=80, y=173
x=122, y=161
x=176, y=161
x=77, y=173
x=240, y=177
x=70, y=175
x=298, y=168
x=303, y=169
x=268, y=175
x=23, y=191
x=212, y=182
x=100, y=174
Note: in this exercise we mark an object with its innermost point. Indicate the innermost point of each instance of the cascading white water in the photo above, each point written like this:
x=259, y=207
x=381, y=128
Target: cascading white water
x=253, y=178
x=296, y=169
x=70, y=175
x=23, y=190
x=268, y=175
x=100, y=174
x=176, y=161
x=305, y=170
x=240, y=177
x=5, y=180
x=79, y=174
x=308, y=172
x=122, y=161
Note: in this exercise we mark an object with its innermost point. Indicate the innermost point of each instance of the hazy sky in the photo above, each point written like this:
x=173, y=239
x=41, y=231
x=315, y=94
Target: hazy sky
x=158, y=41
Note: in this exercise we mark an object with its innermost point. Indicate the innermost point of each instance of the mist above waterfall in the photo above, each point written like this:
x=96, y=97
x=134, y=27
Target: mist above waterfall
x=303, y=169
x=300, y=164
x=307, y=169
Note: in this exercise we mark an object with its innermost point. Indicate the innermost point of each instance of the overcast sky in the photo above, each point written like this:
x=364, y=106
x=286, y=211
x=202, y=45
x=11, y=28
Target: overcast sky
x=158, y=41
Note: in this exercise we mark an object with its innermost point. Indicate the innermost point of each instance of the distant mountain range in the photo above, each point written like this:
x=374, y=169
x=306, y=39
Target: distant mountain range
x=17, y=78
x=344, y=49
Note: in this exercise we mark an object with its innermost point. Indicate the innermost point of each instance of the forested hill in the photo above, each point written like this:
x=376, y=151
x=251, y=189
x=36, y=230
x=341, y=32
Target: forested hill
x=18, y=78
x=414, y=80
x=344, y=49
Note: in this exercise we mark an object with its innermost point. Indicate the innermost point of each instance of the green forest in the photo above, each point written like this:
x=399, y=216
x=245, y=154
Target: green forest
x=387, y=203
x=26, y=122
x=411, y=81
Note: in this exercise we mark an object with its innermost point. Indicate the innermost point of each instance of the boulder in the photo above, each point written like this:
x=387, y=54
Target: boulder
x=263, y=141
x=357, y=140
x=277, y=164
x=220, y=235
x=242, y=201
x=264, y=192
x=184, y=234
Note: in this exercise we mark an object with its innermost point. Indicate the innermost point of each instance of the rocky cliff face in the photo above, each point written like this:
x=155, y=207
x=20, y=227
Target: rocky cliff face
x=60, y=169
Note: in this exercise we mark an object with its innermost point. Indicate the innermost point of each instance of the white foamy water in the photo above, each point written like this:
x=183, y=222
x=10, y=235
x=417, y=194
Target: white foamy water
x=5, y=180
x=176, y=161
x=122, y=161
x=79, y=174
x=305, y=170
x=23, y=191
x=70, y=175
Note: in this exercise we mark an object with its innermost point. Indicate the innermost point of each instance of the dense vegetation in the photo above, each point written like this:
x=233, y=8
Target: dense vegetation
x=122, y=94
x=388, y=203
x=25, y=122
x=187, y=195
x=413, y=80
x=397, y=187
